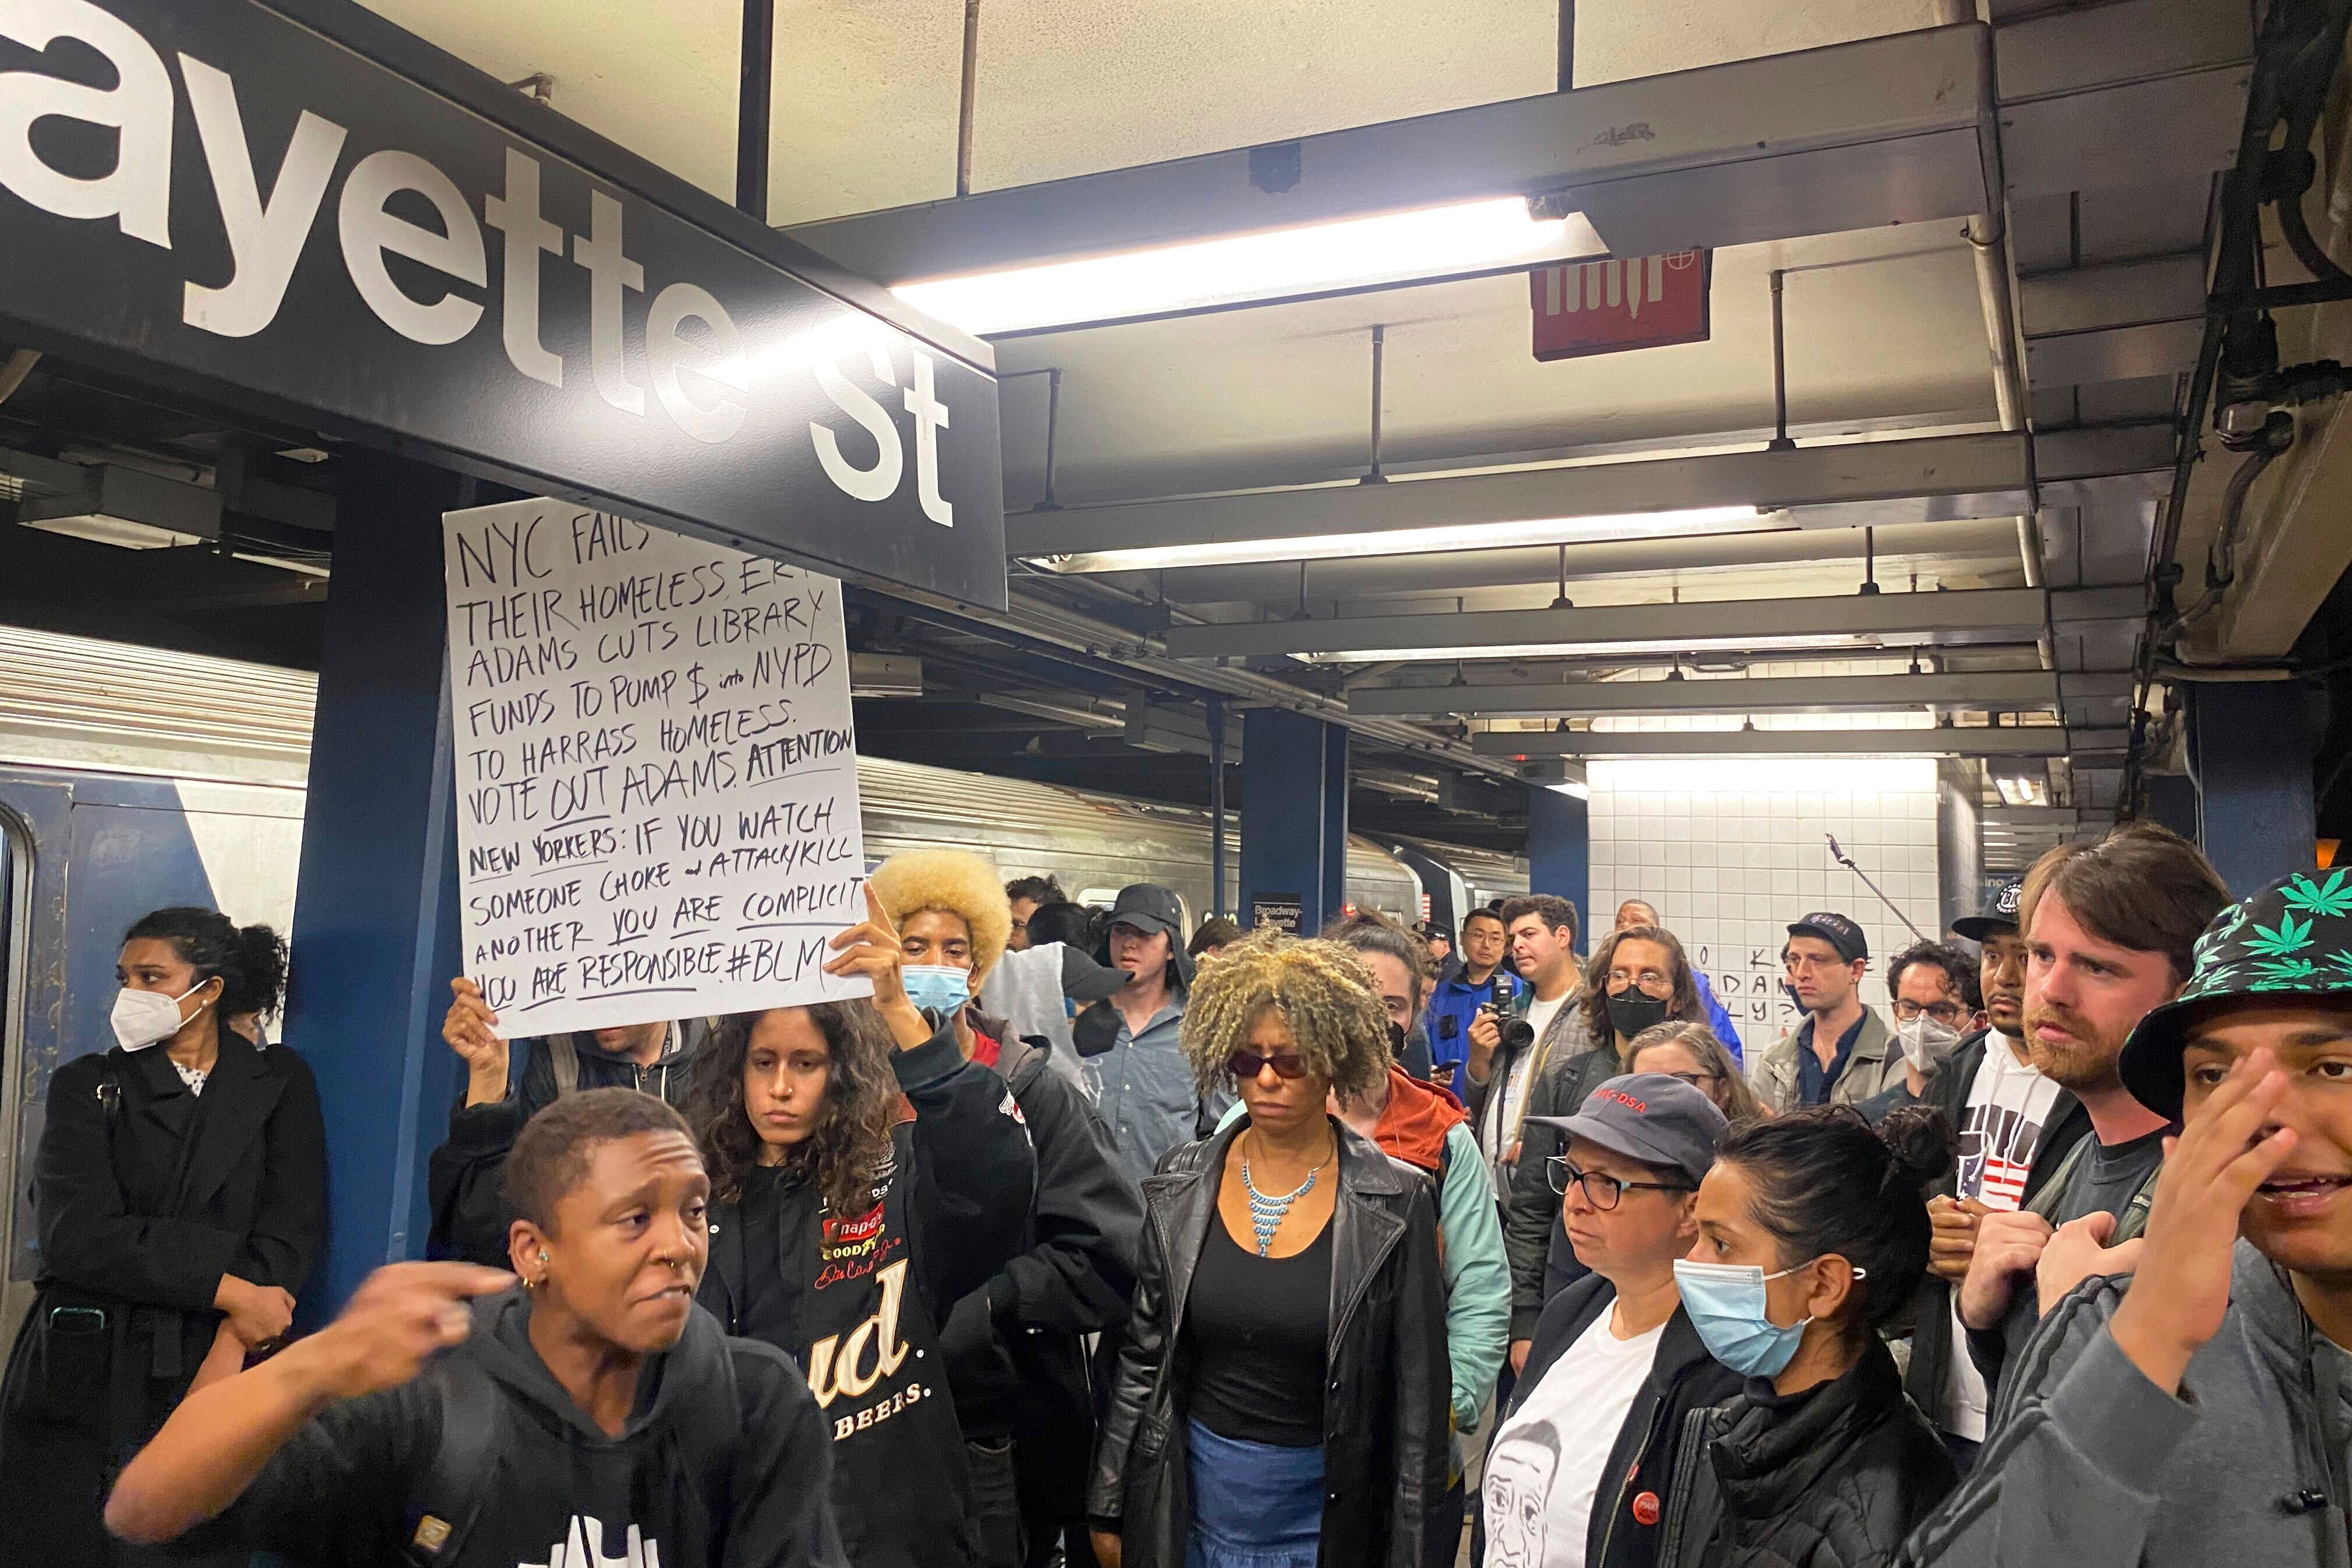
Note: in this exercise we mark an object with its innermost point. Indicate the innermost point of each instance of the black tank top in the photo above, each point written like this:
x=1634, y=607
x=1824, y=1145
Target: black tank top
x=1260, y=1327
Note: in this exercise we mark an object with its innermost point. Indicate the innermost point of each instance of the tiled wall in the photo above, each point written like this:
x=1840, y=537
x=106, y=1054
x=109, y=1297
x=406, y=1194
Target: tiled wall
x=1730, y=852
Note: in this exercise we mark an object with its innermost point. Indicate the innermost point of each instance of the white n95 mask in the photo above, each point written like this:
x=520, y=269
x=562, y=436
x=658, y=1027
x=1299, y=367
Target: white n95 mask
x=142, y=1017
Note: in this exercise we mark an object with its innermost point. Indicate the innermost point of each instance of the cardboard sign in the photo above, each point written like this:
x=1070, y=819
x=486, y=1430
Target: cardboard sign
x=656, y=774
x=1603, y=306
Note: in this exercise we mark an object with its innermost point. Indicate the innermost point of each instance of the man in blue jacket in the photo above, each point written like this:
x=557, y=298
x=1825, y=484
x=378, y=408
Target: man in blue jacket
x=1480, y=981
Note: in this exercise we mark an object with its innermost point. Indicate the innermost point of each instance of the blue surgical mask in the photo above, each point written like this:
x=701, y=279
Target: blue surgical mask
x=1726, y=1303
x=936, y=988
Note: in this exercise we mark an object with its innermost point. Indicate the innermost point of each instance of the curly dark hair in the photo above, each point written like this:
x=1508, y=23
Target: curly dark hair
x=1682, y=1004
x=852, y=1142
x=250, y=960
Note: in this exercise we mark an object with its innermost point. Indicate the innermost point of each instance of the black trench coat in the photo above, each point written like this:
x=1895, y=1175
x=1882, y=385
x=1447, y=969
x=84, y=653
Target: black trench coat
x=145, y=1194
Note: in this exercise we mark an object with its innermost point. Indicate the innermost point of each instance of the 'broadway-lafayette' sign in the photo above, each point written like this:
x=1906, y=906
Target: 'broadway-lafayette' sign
x=224, y=191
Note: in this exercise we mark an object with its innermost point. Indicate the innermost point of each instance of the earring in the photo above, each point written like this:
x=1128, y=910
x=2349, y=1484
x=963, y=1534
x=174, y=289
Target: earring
x=542, y=1254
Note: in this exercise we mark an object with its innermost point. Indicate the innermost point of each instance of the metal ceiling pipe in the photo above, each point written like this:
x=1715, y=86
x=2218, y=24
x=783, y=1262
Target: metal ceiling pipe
x=1989, y=245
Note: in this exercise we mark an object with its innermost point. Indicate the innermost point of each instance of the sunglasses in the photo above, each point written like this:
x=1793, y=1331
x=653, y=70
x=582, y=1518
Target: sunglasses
x=1246, y=1065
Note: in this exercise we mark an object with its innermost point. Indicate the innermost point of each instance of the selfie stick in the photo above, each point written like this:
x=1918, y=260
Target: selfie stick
x=1846, y=860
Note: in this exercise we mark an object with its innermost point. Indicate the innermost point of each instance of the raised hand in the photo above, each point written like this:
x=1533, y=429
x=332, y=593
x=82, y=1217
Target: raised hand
x=2182, y=1292
x=400, y=1316
x=471, y=1030
x=871, y=948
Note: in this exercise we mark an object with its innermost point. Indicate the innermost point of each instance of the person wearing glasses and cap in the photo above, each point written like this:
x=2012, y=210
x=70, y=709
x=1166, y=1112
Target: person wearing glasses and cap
x=1281, y=1400
x=1586, y=1452
x=1130, y=1048
x=2186, y=1403
x=1842, y=1054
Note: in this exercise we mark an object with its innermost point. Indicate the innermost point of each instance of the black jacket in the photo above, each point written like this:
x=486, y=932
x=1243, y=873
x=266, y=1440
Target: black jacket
x=1531, y=1209
x=1385, y=1409
x=864, y=1294
x=145, y=1194
x=1831, y=1477
x=1015, y=1348
x=345, y=1492
x=471, y=1216
x=1683, y=1379
x=1931, y=1309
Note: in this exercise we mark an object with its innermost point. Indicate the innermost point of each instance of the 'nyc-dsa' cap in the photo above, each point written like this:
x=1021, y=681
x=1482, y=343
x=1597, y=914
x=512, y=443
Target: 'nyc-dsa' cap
x=1650, y=1117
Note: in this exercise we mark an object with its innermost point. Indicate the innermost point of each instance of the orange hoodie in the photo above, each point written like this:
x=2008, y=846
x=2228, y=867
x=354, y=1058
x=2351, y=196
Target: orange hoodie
x=1415, y=1121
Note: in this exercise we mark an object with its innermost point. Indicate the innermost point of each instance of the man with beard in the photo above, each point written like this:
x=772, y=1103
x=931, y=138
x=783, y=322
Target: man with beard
x=2111, y=928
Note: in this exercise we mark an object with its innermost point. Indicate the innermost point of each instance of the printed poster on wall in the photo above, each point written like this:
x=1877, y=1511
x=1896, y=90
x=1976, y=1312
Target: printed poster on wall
x=656, y=773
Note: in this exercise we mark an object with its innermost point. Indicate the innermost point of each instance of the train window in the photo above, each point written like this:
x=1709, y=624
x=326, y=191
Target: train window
x=1098, y=897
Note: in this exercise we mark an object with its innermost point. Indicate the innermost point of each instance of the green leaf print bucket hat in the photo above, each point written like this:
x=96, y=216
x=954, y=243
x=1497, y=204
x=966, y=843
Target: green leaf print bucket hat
x=2293, y=939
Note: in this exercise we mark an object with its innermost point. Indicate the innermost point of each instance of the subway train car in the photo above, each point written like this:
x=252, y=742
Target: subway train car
x=132, y=778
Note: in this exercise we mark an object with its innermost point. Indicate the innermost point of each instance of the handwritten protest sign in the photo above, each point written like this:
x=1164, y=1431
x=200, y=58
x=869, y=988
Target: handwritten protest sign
x=656, y=773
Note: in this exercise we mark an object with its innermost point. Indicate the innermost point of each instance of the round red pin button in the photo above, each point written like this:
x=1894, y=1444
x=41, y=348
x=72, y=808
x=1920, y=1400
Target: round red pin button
x=1646, y=1510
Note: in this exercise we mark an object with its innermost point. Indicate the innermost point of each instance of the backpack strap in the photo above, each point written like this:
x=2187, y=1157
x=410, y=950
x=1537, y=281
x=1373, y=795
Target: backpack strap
x=2134, y=1219
x=2045, y=1197
x=564, y=1057
x=459, y=1479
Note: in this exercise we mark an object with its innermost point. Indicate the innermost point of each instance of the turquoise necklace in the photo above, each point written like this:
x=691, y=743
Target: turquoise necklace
x=1267, y=1214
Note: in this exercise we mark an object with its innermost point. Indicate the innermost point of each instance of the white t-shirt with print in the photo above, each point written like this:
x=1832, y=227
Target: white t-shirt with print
x=1544, y=1467
x=2000, y=1127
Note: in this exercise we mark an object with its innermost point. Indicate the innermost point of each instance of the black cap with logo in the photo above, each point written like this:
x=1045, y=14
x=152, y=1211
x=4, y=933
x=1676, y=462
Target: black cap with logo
x=1999, y=915
x=1838, y=932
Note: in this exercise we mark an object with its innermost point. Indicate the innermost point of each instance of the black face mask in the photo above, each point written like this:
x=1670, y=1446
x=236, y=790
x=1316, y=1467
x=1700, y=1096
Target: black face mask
x=1630, y=1012
x=1396, y=1040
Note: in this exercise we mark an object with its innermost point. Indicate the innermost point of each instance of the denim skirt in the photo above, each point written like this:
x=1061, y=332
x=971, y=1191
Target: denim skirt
x=1254, y=1505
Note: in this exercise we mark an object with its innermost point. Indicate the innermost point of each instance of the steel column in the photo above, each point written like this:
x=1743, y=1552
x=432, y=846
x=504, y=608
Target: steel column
x=2250, y=749
x=1294, y=815
x=1559, y=852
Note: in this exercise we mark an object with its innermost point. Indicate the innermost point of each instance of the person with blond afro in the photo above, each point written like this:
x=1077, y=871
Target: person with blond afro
x=1279, y=1434
x=1016, y=1360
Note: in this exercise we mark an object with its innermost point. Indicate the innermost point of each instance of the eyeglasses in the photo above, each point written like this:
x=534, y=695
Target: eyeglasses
x=1246, y=1065
x=1942, y=1011
x=1698, y=1081
x=1652, y=983
x=1602, y=1191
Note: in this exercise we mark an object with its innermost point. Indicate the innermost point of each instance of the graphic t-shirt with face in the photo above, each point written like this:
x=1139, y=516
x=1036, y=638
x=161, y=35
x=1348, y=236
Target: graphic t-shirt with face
x=2001, y=1128
x=1544, y=1467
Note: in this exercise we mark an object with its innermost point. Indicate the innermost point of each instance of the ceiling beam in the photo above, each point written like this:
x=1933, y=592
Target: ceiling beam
x=1853, y=135
x=2024, y=740
x=2001, y=691
x=1898, y=619
x=1842, y=485
x=2116, y=323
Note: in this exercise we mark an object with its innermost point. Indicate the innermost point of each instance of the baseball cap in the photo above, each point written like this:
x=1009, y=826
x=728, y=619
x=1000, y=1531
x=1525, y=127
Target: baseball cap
x=1439, y=930
x=1650, y=1117
x=1148, y=908
x=1837, y=930
x=1999, y=915
x=2291, y=941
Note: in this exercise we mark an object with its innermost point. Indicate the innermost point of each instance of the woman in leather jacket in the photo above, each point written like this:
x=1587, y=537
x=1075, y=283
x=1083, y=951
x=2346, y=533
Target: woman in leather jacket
x=1813, y=1233
x=180, y=1192
x=1292, y=1409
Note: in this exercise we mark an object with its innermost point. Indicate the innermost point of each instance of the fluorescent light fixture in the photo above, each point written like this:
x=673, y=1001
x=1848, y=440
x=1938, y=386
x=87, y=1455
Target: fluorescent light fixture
x=1610, y=529
x=2022, y=792
x=1590, y=649
x=1340, y=257
x=122, y=532
x=1840, y=776
x=1580, y=790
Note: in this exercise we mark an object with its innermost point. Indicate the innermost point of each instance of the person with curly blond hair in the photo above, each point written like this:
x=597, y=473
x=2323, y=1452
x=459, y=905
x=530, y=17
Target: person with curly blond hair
x=865, y=1177
x=1016, y=1352
x=1247, y=1426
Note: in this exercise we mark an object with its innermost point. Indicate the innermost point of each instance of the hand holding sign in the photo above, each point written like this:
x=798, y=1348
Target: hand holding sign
x=871, y=948
x=471, y=1030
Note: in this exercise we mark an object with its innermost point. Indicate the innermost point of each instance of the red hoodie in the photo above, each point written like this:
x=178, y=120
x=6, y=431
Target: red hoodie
x=1415, y=1121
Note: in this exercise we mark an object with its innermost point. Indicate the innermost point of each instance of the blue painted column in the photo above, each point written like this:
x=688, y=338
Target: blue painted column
x=2250, y=751
x=1294, y=816
x=375, y=914
x=1559, y=852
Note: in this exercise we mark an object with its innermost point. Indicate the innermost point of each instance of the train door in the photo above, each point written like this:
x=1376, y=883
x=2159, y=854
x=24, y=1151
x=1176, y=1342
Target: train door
x=34, y=830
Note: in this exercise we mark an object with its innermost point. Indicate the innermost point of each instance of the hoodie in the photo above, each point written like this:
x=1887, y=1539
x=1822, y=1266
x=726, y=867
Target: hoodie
x=471, y=1216
x=2091, y=1465
x=858, y=1300
x=344, y=1490
x=1424, y=1126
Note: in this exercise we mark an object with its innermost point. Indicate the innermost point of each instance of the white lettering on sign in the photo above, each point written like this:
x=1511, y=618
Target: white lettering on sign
x=695, y=360
x=657, y=771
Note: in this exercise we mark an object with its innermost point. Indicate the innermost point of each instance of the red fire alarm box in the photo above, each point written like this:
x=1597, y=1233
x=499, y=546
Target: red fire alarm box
x=1603, y=306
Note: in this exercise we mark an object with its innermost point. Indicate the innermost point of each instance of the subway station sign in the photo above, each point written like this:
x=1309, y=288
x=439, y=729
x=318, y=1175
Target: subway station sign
x=349, y=230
